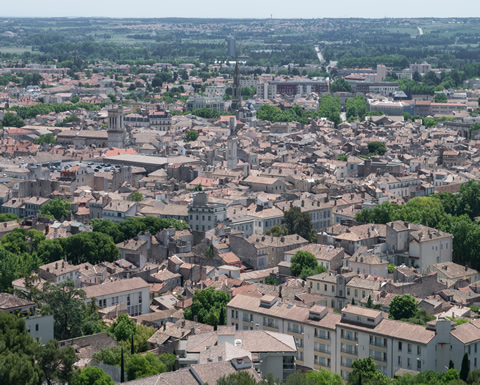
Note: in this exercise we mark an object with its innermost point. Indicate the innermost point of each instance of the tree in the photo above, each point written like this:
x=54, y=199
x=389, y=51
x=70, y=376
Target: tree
x=46, y=138
x=365, y=372
x=417, y=77
x=298, y=222
x=198, y=187
x=305, y=264
x=277, y=230
x=58, y=208
x=403, y=307
x=122, y=369
x=238, y=378
x=18, y=349
x=330, y=108
x=144, y=366
x=465, y=368
x=12, y=120
x=340, y=85
x=377, y=148
x=123, y=328
x=440, y=98
x=56, y=363
x=191, y=136
x=206, y=113
x=66, y=304
x=451, y=365
x=90, y=247
x=136, y=197
x=207, y=305
x=324, y=377
x=92, y=375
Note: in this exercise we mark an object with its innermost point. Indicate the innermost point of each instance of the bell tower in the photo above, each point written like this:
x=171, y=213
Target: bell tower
x=236, y=90
x=116, y=127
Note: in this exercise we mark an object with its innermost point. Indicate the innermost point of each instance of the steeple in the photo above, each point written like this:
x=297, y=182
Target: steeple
x=236, y=90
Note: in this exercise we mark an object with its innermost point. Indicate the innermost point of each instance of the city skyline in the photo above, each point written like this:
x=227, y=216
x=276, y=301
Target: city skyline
x=248, y=9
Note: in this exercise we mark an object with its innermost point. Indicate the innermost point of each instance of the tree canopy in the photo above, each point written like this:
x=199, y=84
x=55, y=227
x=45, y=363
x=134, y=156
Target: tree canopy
x=191, y=136
x=304, y=264
x=12, y=120
x=57, y=208
x=403, y=307
x=298, y=222
x=210, y=307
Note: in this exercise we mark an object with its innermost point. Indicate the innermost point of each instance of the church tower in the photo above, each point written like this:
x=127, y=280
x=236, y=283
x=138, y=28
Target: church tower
x=236, y=90
x=232, y=145
x=116, y=127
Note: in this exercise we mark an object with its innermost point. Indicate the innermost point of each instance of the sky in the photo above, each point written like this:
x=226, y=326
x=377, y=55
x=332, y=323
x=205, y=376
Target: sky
x=260, y=9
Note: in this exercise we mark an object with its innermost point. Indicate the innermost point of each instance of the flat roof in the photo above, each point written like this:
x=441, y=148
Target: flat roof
x=150, y=160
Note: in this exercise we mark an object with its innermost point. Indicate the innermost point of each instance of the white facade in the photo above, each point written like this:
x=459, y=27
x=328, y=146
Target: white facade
x=134, y=292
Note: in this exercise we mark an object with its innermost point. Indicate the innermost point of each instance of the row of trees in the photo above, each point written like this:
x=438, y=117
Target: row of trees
x=131, y=227
x=446, y=212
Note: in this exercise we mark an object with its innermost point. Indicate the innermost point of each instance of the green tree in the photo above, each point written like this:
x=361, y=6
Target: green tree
x=144, y=366
x=340, y=85
x=122, y=368
x=12, y=120
x=238, y=378
x=46, y=138
x=305, y=264
x=451, y=365
x=207, y=305
x=56, y=364
x=198, y=187
x=90, y=247
x=465, y=368
x=67, y=305
x=277, y=230
x=330, y=108
x=123, y=328
x=298, y=222
x=377, y=148
x=324, y=377
x=206, y=113
x=365, y=372
x=191, y=136
x=92, y=375
x=58, y=208
x=136, y=197
x=403, y=306
x=18, y=349
x=440, y=98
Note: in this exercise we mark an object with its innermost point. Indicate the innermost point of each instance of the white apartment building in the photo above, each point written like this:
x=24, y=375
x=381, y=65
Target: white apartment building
x=134, y=292
x=326, y=340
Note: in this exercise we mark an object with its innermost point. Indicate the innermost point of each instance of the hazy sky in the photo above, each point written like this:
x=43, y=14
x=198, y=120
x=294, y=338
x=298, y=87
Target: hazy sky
x=242, y=8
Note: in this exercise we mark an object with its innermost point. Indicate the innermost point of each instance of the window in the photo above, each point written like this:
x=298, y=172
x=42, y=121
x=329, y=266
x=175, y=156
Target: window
x=419, y=364
x=128, y=300
x=409, y=348
x=363, y=293
x=333, y=288
x=399, y=346
x=348, y=291
x=36, y=327
x=419, y=350
x=356, y=293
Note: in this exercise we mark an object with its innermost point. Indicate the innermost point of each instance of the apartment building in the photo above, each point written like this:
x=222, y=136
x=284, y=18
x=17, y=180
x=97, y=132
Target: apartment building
x=342, y=289
x=418, y=246
x=204, y=215
x=268, y=90
x=320, y=212
x=134, y=292
x=327, y=340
